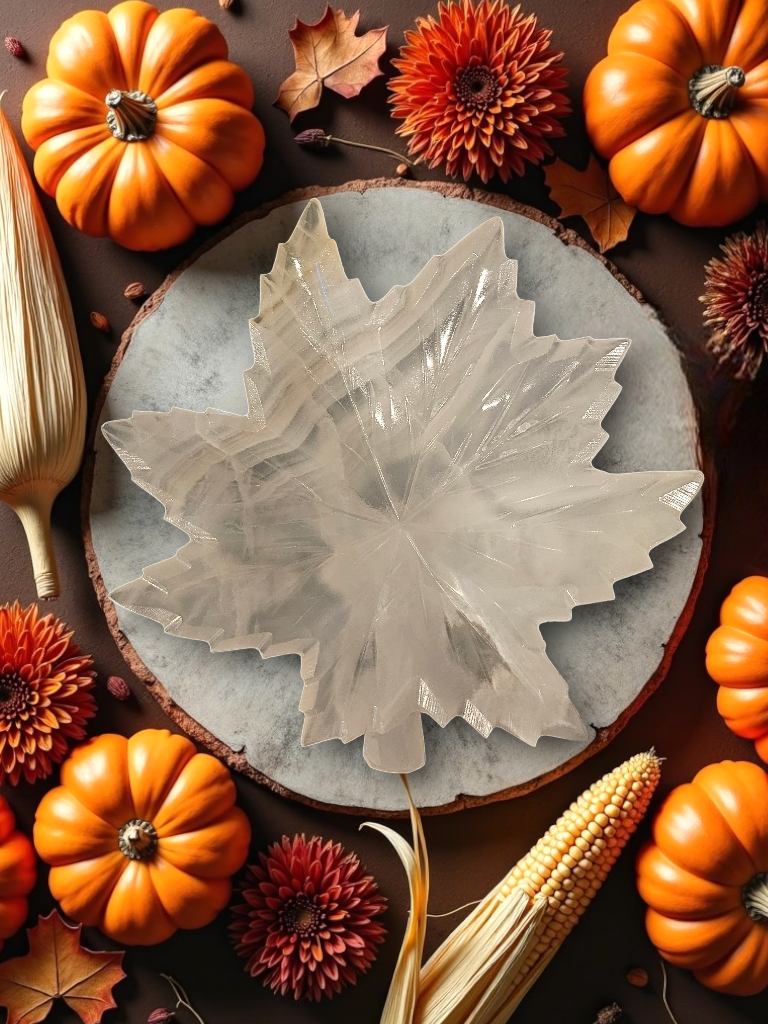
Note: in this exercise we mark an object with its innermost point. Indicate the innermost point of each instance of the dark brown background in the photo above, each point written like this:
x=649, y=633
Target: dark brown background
x=472, y=849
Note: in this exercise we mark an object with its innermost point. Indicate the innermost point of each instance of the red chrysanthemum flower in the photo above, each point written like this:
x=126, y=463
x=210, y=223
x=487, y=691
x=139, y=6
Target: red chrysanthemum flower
x=45, y=693
x=307, y=924
x=736, y=300
x=480, y=89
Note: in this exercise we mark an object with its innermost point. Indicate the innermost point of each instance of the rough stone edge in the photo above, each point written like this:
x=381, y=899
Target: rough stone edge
x=201, y=735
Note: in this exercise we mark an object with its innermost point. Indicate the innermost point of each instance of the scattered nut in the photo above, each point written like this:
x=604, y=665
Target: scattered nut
x=100, y=322
x=136, y=290
x=15, y=48
x=225, y=3
x=118, y=688
x=402, y=170
x=161, y=1015
x=638, y=977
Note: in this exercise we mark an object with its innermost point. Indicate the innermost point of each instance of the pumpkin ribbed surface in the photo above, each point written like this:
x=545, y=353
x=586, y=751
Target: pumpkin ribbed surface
x=704, y=877
x=679, y=107
x=18, y=871
x=142, y=836
x=143, y=128
x=737, y=659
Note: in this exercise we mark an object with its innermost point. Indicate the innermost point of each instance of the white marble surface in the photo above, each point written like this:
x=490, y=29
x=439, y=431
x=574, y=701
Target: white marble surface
x=191, y=353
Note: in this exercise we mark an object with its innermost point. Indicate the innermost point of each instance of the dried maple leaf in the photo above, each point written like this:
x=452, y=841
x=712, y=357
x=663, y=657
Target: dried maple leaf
x=590, y=194
x=329, y=53
x=58, y=967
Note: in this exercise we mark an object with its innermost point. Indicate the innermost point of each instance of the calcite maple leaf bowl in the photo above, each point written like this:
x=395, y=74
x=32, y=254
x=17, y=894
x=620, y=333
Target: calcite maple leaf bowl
x=409, y=496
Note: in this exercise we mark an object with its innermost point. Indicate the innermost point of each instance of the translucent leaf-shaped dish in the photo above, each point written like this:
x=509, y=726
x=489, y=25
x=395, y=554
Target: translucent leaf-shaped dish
x=409, y=497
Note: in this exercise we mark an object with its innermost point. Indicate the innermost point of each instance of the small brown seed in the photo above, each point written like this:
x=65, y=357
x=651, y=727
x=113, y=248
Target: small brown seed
x=118, y=687
x=15, y=48
x=100, y=322
x=135, y=290
x=638, y=977
x=162, y=1015
x=402, y=170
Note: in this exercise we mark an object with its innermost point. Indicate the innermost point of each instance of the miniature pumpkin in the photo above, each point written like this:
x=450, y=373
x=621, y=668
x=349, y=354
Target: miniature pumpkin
x=704, y=876
x=737, y=659
x=143, y=835
x=17, y=873
x=680, y=108
x=143, y=128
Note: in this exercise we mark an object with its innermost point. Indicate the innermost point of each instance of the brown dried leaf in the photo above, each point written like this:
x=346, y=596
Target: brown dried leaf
x=329, y=53
x=57, y=967
x=590, y=194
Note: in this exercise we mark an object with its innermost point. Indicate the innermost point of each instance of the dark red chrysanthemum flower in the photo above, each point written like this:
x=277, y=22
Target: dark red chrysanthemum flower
x=480, y=89
x=736, y=301
x=307, y=924
x=45, y=693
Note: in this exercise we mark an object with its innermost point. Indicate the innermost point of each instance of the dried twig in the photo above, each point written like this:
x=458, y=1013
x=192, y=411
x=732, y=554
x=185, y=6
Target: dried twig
x=664, y=985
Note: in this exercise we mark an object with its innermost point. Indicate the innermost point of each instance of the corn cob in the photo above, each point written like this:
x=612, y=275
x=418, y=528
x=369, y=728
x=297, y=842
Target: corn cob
x=570, y=863
x=483, y=970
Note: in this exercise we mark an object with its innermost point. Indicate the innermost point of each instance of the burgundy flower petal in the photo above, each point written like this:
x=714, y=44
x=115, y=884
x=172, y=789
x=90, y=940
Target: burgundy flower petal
x=305, y=905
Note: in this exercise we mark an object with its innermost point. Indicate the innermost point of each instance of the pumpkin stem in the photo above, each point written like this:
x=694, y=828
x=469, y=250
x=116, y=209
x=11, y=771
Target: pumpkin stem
x=713, y=89
x=137, y=839
x=131, y=115
x=754, y=896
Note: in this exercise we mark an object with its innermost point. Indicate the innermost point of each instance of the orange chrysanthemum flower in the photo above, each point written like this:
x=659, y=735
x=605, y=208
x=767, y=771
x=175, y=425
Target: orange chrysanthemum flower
x=479, y=89
x=45, y=697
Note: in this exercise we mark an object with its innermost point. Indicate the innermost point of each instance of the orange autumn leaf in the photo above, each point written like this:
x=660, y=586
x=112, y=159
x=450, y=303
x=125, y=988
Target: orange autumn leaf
x=329, y=53
x=57, y=967
x=590, y=194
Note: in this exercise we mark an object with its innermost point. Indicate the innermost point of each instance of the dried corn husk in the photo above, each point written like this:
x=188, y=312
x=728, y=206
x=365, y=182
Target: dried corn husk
x=42, y=391
x=404, y=988
x=486, y=966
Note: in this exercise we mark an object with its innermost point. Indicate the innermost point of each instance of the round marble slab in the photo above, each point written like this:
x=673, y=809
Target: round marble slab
x=189, y=346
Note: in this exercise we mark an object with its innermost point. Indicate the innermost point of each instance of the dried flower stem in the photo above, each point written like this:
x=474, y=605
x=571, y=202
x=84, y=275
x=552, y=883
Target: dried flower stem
x=318, y=137
x=450, y=913
x=381, y=149
x=664, y=985
x=182, y=999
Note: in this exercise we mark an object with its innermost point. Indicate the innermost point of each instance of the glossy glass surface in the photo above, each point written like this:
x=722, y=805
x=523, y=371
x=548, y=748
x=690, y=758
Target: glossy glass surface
x=410, y=495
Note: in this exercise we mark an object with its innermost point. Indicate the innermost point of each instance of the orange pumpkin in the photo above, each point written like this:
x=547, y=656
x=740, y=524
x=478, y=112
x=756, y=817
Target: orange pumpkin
x=143, y=128
x=704, y=877
x=143, y=835
x=737, y=659
x=680, y=108
x=17, y=873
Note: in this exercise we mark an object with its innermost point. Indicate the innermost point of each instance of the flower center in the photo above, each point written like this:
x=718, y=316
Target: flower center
x=477, y=87
x=131, y=115
x=754, y=896
x=14, y=695
x=137, y=839
x=302, y=916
